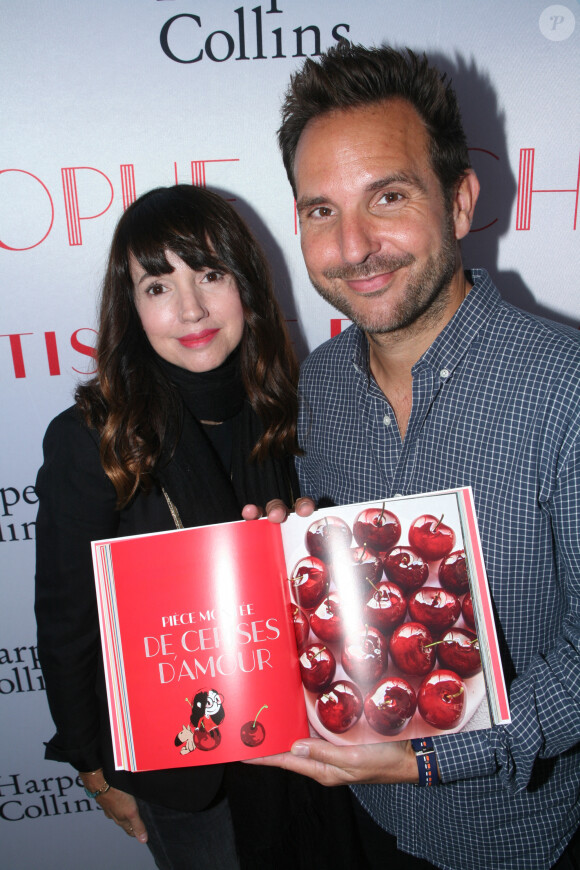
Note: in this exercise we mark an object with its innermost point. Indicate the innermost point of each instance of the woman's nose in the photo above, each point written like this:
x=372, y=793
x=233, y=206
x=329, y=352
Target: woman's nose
x=191, y=305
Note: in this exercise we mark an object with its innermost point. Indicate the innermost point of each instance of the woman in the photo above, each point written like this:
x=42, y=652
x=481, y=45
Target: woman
x=191, y=416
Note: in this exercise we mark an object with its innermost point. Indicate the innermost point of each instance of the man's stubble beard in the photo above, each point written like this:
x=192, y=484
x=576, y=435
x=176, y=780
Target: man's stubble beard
x=426, y=292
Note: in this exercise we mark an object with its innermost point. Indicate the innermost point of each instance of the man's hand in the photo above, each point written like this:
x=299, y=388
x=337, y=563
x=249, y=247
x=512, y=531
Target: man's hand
x=277, y=511
x=346, y=765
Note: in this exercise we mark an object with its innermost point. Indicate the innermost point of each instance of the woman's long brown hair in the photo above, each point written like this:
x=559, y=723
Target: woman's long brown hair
x=129, y=401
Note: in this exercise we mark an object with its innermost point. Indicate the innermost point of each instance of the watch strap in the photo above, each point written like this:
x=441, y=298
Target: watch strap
x=426, y=761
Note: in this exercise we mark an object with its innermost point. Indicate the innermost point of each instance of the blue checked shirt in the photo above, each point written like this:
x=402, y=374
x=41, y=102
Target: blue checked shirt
x=496, y=405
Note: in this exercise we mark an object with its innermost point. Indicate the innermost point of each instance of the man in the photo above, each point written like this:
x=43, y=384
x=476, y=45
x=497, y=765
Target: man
x=439, y=383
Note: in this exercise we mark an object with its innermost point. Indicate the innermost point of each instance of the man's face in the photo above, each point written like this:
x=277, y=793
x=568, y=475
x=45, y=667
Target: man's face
x=378, y=240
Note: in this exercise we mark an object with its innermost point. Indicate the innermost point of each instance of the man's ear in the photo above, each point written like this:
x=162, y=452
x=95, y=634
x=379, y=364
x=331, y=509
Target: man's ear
x=464, y=203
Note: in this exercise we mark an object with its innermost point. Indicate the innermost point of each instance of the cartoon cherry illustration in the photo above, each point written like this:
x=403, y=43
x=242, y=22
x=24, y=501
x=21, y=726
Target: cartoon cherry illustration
x=207, y=740
x=253, y=733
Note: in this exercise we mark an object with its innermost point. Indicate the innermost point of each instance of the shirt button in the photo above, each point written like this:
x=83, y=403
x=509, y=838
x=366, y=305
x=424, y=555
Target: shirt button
x=387, y=420
x=444, y=373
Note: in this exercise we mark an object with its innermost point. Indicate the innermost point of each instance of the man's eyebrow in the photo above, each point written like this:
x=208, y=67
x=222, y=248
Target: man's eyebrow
x=408, y=178
x=309, y=202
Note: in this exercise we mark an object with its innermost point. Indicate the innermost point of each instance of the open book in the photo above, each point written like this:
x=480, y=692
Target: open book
x=359, y=624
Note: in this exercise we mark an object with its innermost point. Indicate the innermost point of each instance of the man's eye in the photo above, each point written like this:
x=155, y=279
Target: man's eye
x=321, y=211
x=390, y=197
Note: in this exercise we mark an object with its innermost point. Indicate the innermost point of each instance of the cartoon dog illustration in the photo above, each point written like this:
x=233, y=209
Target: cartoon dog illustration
x=207, y=712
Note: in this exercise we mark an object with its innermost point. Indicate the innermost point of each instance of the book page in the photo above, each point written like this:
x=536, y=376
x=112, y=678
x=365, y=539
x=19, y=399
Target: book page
x=389, y=649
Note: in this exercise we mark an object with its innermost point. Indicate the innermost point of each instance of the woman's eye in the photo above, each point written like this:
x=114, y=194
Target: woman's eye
x=155, y=289
x=213, y=276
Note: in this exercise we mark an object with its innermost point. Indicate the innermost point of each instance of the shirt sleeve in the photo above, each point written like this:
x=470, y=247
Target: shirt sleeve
x=545, y=698
x=76, y=506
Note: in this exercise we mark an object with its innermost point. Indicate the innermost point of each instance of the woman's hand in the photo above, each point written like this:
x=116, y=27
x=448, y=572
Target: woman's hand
x=122, y=809
x=277, y=511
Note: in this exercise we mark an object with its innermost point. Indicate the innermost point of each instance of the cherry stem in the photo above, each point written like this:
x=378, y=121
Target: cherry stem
x=376, y=588
x=320, y=651
x=447, y=697
x=265, y=707
x=439, y=521
x=363, y=554
x=381, y=514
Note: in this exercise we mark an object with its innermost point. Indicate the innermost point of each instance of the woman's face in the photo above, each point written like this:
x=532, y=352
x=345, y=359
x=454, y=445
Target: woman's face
x=192, y=319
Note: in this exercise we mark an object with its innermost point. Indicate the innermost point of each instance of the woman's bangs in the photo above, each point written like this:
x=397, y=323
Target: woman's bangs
x=153, y=231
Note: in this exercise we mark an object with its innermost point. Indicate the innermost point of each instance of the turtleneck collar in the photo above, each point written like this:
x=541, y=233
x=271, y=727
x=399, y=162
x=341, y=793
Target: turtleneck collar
x=216, y=395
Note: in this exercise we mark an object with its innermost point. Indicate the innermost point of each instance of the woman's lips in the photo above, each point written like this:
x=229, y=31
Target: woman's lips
x=198, y=339
x=370, y=285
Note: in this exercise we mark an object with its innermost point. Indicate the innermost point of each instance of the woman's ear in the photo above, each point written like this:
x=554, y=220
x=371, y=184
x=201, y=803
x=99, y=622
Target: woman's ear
x=464, y=203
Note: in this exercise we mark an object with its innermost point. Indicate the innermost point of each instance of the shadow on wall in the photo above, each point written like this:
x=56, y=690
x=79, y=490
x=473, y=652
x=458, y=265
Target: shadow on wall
x=278, y=267
x=484, y=125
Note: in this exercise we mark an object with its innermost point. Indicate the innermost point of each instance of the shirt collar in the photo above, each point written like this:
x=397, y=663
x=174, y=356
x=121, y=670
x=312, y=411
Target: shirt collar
x=455, y=339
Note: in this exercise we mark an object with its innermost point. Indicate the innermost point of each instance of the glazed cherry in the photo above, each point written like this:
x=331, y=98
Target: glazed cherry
x=252, y=733
x=411, y=648
x=309, y=582
x=301, y=625
x=364, y=655
x=327, y=537
x=467, y=611
x=453, y=573
x=377, y=528
x=317, y=667
x=327, y=622
x=390, y=705
x=441, y=699
x=385, y=606
x=366, y=567
x=458, y=650
x=430, y=537
x=434, y=607
x=340, y=706
x=406, y=568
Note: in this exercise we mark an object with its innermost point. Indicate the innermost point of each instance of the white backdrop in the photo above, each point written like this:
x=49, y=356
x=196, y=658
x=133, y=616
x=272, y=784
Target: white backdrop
x=101, y=102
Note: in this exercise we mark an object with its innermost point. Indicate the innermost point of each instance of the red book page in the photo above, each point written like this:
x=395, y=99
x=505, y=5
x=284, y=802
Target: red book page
x=206, y=643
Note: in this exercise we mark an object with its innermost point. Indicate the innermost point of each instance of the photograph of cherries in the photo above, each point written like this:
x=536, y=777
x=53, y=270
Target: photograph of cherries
x=384, y=622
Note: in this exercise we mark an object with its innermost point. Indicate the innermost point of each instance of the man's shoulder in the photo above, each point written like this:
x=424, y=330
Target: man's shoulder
x=547, y=336
x=335, y=352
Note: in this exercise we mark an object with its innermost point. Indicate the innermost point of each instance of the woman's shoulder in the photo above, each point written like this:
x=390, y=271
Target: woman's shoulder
x=71, y=449
x=71, y=426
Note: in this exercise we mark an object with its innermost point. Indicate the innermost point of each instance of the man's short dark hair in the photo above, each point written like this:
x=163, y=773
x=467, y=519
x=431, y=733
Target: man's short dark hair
x=349, y=76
